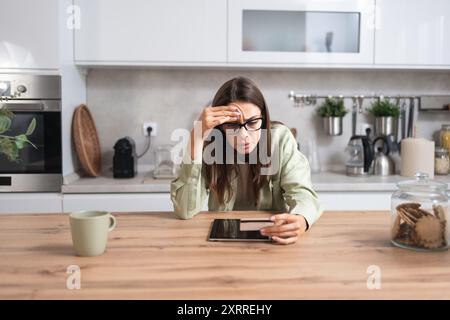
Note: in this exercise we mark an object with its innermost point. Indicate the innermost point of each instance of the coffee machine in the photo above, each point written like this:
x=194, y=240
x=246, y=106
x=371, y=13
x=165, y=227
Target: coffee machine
x=125, y=158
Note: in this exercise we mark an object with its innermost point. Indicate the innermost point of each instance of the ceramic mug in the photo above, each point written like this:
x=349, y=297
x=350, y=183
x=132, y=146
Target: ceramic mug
x=90, y=231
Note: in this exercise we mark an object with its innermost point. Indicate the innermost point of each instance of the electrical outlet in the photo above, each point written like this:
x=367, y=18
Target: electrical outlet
x=154, y=126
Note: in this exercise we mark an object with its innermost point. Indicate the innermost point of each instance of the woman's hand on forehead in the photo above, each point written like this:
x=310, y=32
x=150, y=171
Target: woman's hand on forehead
x=242, y=118
x=240, y=110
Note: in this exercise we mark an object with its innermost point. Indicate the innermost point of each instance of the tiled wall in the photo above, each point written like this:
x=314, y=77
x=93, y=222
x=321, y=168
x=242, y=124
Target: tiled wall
x=122, y=99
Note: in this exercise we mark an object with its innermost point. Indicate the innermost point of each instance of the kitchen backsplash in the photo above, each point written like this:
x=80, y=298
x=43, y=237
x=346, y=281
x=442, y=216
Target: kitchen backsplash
x=122, y=99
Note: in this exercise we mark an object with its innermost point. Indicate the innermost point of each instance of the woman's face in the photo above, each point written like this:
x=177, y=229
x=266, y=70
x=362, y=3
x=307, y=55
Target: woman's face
x=245, y=141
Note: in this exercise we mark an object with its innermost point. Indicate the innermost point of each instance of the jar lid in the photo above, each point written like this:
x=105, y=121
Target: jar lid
x=441, y=151
x=445, y=127
x=422, y=183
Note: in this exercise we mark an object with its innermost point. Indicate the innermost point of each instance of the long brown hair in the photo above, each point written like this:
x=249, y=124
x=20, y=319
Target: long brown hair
x=218, y=175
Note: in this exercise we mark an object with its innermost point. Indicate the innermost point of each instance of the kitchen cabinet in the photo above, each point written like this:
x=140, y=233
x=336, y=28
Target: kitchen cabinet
x=263, y=33
x=29, y=35
x=153, y=202
x=412, y=32
x=356, y=200
x=118, y=202
x=12, y=203
x=141, y=32
x=301, y=31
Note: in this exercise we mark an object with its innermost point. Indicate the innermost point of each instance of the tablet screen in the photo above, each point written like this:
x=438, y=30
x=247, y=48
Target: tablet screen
x=230, y=230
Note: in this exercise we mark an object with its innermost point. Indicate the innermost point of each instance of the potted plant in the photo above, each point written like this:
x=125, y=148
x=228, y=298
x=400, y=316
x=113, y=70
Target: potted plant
x=386, y=117
x=332, y=111
x=11, y=145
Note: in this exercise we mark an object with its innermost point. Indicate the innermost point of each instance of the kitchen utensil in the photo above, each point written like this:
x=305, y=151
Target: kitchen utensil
x=86, y=141
x=89, y=230
x=383, y=164
x=410, y=132
x=419, y=212
x=360, y=103
x=403, y=124
x=403, y=119
x=354, y=114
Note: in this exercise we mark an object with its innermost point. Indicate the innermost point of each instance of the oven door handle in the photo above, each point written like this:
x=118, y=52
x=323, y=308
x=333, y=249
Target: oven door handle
x=24, y=106
x=33, y=105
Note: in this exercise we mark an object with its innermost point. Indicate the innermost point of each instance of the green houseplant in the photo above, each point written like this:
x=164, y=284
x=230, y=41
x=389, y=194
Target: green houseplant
x=10, y=145
x=386, y=116
x=332, y=111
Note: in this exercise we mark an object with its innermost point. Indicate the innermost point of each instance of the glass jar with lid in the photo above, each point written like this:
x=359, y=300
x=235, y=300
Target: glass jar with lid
x=441, y=161
x=445, y=136
x=419, y=212
x=165, y=167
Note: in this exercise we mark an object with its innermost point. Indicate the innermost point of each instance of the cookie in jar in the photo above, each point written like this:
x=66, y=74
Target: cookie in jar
x=419, y=212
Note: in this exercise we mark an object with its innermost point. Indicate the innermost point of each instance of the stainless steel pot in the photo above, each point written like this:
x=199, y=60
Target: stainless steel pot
x=385, y=126
x=333, y=126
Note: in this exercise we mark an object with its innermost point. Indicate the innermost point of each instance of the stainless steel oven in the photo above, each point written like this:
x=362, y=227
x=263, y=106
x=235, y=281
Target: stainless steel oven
x=36, y=169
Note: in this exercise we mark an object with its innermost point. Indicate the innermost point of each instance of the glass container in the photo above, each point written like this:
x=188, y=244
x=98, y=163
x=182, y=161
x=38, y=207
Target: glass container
x=419, y=212
x=165, y=167
x=441, y=161
x=445, y=136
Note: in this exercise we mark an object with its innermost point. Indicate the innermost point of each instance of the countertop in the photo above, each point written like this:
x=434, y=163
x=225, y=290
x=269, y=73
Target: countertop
x=155, y=256
x=144, y=182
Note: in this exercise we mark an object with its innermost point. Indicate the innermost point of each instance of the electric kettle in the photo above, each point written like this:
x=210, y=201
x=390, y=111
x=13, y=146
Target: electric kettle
x=360, y=155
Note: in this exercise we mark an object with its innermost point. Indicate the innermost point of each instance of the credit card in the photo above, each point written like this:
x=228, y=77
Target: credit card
x=252, y=224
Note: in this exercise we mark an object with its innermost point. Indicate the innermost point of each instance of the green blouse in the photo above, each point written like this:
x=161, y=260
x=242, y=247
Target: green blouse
x=289, y=188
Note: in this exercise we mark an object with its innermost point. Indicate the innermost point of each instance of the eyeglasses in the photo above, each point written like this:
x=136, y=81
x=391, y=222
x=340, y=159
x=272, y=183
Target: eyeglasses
x=233, y=128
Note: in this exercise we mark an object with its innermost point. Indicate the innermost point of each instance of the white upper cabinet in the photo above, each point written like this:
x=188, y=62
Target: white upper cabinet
x=141, y=32
x=29, y=34
x=297, y=33
x=301, y=31
x=413, y=32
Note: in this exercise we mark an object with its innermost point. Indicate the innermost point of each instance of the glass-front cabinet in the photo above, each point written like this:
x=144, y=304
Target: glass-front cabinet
x=301, y=31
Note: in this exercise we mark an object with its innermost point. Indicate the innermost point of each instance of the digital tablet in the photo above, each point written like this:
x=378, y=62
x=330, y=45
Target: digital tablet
x=239, y=229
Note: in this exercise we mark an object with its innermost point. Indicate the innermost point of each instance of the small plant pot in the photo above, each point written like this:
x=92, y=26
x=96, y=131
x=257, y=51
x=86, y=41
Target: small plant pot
x=332, y=126
x=385, y=126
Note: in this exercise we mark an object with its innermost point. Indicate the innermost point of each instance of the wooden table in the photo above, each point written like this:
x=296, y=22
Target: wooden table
x=155, y=256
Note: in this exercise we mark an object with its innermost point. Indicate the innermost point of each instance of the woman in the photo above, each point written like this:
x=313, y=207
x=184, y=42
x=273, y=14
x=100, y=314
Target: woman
x=258, y=167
